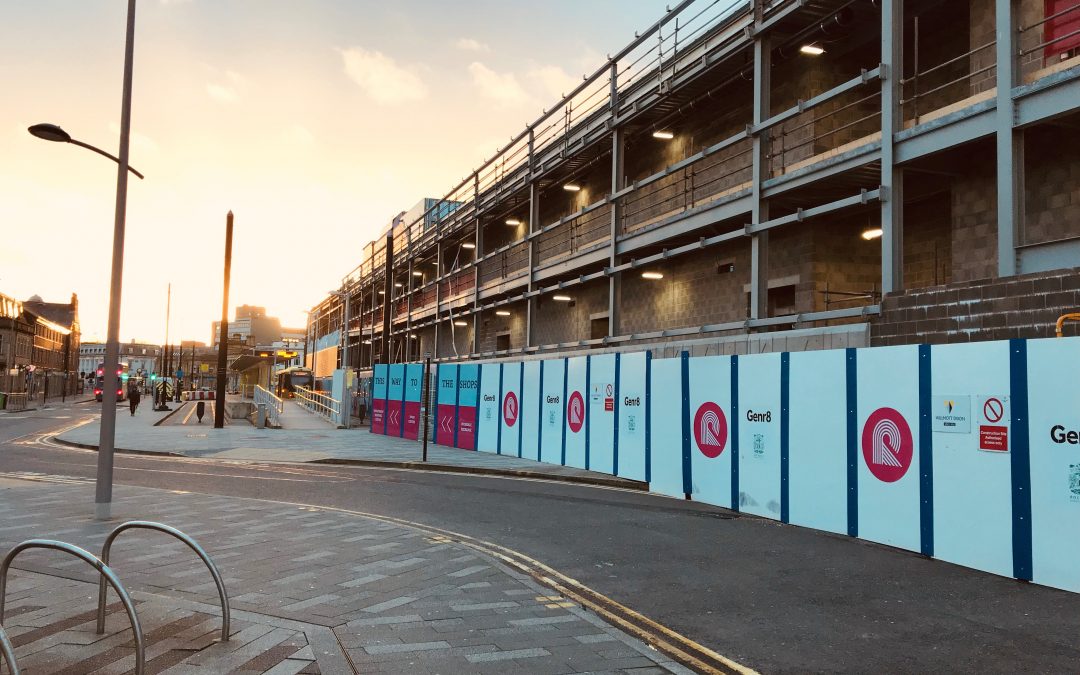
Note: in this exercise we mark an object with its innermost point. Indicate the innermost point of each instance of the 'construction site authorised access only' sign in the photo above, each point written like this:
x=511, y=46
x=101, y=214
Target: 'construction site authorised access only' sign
x=994, y=422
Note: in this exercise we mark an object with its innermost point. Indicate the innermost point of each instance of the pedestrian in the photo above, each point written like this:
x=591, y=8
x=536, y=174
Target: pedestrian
x=134, y=396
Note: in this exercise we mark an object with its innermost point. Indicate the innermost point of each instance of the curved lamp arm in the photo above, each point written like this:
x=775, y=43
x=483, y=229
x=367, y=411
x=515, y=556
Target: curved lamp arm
x=106, y=154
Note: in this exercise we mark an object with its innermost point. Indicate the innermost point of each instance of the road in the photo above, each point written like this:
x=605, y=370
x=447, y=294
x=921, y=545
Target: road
x=773, y=597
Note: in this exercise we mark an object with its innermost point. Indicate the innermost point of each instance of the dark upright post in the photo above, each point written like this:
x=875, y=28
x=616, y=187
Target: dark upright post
x=223, y=342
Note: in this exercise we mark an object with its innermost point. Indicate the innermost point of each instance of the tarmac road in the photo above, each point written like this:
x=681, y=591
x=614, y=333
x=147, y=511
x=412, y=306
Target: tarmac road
x=775, y=598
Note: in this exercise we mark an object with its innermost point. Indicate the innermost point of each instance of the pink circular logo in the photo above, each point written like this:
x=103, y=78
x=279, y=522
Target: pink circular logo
x=510, y=408
x=710, y=429
x=575, y=412
x=886, y=445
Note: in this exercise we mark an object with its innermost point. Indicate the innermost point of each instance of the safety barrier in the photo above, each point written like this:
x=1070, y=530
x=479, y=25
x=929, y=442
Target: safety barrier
x=7, y=650
x=106, y=574
x=968, y=452
x=274, y=405
x=198, y=395
x=191, y=543
x=14, y=402
x=319, y=403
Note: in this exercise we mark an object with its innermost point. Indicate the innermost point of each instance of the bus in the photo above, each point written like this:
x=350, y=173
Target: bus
x=121, y=382
x=291, y=378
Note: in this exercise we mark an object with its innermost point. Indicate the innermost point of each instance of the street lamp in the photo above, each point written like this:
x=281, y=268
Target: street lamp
x=51, y=132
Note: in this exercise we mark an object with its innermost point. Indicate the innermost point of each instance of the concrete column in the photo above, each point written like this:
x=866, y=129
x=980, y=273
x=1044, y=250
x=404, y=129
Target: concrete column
x=618, y=176
x=892, y=177
x=532, y=226
x=1009, y=141
x=477, y=252
x=759, y=242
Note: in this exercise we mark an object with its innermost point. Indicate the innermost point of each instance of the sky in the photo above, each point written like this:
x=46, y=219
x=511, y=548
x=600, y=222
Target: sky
x=315, y=122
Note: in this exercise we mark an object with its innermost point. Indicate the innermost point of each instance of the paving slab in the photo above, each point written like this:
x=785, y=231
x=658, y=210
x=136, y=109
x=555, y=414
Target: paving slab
x=311, y=605
x=243, y=442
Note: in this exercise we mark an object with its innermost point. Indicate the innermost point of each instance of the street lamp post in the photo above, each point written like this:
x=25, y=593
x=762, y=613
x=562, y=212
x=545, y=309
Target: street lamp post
x=51, y=132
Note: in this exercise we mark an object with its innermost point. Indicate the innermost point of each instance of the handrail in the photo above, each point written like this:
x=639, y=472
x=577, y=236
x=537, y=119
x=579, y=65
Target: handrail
x=1074, y=316
x=319, y=403
x=192, y=544
x=7, y=650
x=106, y=574
x=275, y=406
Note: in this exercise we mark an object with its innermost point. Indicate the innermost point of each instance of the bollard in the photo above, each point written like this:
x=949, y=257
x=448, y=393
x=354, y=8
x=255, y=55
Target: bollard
x=261, y=416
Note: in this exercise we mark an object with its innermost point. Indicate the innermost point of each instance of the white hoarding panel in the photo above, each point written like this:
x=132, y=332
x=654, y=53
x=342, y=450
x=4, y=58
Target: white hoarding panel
x=666, y=427
x=510, y=410
x=710, y=431
x=601, y=413
x=551, y=411
x=530, y=410
x=1054, y=414
x=488, y=417
x=630, y=407
x=577, y=409
x=759, y=435
x=888, y=446
x=817, y=429
x=972, y=487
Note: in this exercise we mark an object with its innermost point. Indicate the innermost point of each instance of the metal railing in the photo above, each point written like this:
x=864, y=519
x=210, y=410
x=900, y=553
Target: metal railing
x=14, y=401
x=106, y=574
x=7, y=650
x=191, y=543
x=274, y=405
x=319, y=403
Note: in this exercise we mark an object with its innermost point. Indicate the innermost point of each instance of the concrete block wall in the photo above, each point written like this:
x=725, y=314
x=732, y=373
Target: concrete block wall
x=556, y=322
x=1052, y=184
x=974, y=218
x=492, y=325
x=1025, y=306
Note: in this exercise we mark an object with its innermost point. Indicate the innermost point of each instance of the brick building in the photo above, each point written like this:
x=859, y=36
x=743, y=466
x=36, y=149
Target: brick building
x=774, y=175
x=39, y=345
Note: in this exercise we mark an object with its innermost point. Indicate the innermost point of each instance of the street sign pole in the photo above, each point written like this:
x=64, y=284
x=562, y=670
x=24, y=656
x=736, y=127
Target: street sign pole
x=427, y=399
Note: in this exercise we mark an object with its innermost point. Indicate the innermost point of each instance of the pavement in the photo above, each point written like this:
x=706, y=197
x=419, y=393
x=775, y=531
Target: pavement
x=178, y=432
x=312, y=591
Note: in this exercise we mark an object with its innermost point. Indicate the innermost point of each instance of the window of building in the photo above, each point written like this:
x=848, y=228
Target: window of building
x=502, y=341
x=782, y=300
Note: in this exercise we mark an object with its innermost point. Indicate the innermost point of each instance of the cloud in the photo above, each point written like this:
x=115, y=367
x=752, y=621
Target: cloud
x=140, y=143
x=381, y=77
x=555, y=81
x=471, y=45
x=503, y=88
x=221, y=93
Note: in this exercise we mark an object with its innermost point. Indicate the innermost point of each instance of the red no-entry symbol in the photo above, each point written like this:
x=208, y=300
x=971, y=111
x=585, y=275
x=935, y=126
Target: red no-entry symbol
x=993, y=410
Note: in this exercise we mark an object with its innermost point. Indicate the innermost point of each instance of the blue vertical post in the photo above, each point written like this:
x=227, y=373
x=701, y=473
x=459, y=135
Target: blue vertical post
x=566, y=405
x=687, y=464
x=498, y=432
x=785, y=437
x=852, y=442
x=648, y=416
x=735, y=500
x=926, y=455
x=615, y=437
x=588, y=406
x=1021, y=460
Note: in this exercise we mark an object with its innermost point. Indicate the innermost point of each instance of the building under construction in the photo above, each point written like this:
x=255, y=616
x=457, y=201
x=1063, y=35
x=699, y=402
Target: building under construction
x=784, y=175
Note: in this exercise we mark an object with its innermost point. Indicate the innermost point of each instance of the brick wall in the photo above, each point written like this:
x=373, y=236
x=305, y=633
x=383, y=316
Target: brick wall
x=492, y=325
x=1025, y=306
x=556, y=322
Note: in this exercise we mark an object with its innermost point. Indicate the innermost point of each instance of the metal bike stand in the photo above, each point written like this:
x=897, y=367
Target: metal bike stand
x=8, y=652
x=192, y=544
x=106, y=575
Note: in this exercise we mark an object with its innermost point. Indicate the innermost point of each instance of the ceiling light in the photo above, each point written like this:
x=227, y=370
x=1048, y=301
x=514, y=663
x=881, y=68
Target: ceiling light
x=418, y=274
x=872, y=233
x=663, y=135
x=513, y=221
x=397, y=285
x=812, y=50
x=652, y=275
x=414, y=337
x=468, y=245
x=460, y=323
x=502, y=312
x=382, y=292
x=572, y=187
x=561, y=298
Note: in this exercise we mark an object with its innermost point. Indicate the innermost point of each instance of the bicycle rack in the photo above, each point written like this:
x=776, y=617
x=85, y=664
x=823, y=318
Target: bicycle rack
x=192, y=544
x=8, y=652
x=106, y=575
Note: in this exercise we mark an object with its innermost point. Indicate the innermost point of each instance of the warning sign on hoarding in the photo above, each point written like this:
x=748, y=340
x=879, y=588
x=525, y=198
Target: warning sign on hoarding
x=994, y=420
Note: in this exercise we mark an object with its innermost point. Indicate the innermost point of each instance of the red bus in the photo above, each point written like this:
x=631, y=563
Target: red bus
x=121, y=382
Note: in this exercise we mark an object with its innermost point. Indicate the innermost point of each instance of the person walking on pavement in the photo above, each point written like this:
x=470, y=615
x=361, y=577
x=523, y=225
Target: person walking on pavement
x=134, y=395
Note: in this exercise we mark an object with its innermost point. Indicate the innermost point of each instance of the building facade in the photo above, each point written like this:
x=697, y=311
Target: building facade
x=39, y=345
x=138, y=356
x=775, y=175
x=250, y=325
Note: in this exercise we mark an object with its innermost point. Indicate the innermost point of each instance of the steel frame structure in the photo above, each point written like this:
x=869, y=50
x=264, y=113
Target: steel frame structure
x=634, y=82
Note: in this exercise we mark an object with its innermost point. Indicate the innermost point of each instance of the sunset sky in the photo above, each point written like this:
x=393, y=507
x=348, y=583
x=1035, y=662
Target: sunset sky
x=315, y=122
